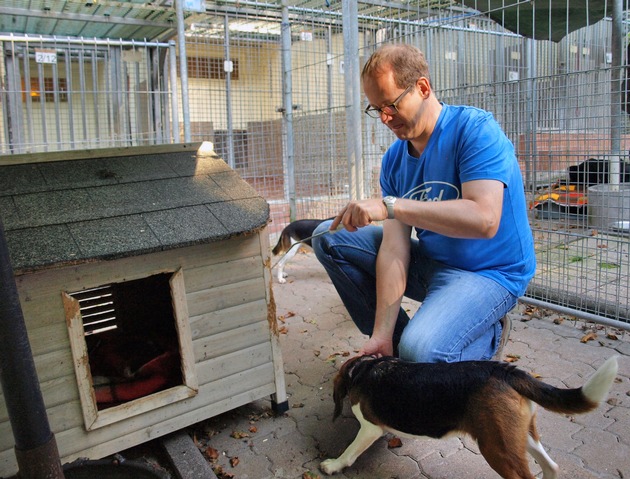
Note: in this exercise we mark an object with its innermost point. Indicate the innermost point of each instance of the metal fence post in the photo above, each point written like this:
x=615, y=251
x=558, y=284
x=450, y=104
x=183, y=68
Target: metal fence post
x=352, y=83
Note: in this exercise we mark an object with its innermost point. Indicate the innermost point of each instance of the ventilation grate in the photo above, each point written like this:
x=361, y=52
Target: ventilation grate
x=97, y=309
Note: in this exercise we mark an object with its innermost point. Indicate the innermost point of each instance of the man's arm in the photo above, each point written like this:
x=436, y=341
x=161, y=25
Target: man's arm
x=392, y=265
x=476, y=215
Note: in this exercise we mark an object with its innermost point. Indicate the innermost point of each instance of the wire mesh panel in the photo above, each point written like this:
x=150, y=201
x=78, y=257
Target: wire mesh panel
x=268, y=85
x=65, y=94
x=555, y=100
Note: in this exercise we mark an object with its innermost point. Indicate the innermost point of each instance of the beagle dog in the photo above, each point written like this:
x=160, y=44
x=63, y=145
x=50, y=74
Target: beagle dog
x=494, y=402
x=298, y=231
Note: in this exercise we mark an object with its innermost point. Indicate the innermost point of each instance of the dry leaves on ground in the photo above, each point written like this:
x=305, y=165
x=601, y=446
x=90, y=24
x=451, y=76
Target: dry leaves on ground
x=394, y=442
x=283, y=318
x=239, y=434
x=221, y=473
x=333, y=356
x=512, y=358
x=212, y=454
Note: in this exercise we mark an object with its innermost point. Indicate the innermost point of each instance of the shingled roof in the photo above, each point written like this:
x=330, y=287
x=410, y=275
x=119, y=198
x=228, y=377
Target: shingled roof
x=67, y=212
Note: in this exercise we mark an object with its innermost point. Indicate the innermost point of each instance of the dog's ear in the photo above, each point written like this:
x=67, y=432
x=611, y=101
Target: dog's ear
x=340, y=391
x=342, y=384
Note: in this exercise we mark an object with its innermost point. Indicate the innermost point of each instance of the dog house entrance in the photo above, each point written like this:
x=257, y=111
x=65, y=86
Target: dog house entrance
x=137, y=343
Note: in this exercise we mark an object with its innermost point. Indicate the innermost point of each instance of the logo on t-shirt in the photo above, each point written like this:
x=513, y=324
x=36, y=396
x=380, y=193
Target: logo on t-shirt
x=434, y=191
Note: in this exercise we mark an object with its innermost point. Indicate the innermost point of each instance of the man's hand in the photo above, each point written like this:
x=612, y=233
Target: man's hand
x=360, y=213
x=378, y=347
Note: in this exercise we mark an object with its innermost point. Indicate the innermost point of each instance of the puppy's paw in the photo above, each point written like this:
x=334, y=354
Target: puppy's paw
x=281, y=280
x=331, y=466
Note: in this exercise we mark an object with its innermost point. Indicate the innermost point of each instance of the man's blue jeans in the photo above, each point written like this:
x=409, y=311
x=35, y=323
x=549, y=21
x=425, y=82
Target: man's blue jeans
x=460, y=312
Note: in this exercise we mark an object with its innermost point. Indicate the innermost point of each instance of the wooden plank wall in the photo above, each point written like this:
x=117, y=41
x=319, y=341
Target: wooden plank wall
x=236, y=356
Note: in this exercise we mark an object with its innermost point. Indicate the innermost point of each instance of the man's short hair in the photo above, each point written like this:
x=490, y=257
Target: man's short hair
x=407, y=62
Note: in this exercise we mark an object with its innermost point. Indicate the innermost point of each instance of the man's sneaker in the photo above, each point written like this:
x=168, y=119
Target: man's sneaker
x=506, y=324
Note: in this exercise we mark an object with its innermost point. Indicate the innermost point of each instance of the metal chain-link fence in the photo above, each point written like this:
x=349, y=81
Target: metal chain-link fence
x=274, y=86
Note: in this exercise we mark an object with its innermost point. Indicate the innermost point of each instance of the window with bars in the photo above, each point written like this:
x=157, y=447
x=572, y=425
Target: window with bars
x=52, y=87
x=211, y=68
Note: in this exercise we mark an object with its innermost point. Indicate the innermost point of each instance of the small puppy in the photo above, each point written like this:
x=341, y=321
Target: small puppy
x=294, y=232
x=491, y=401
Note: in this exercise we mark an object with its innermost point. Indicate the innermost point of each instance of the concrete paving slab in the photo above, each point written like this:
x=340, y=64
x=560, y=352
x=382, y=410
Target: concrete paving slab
x=318, y=336
x=185, y=457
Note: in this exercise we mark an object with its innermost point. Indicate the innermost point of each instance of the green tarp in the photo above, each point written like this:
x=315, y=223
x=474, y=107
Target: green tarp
x=543, y=19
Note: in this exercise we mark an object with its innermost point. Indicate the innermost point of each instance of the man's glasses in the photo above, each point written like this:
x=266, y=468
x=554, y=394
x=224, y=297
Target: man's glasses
x=390, y=109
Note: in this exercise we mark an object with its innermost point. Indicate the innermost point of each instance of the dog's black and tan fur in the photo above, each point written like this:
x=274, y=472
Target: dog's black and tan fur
x=493, y=402
x=295, y=232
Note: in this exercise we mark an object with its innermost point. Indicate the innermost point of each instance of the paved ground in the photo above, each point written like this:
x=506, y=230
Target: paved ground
x=250, y=443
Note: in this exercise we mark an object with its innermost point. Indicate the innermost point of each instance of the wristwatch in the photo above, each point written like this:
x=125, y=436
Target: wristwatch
x=389, y=204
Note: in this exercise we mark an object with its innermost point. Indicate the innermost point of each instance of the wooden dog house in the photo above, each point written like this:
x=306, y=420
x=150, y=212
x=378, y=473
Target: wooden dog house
x=145, y=286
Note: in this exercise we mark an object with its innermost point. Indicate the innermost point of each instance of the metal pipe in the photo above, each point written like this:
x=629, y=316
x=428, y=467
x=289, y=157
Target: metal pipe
x=287, y=110
x=78, y=41
x=575, y=312
x=172, y=65
x=183, y=67
x=228, y=96
x=35, y=447
x=352, y=83
x=615, y=94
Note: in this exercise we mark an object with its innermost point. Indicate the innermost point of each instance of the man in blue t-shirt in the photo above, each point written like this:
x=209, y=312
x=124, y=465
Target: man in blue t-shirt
x=453, y=176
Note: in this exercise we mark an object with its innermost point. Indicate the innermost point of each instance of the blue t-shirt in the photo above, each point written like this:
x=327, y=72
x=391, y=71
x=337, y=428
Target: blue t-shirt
x=467, y=144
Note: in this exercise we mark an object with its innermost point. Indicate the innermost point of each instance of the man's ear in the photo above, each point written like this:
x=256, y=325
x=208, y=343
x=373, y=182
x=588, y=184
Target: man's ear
x=423, y=86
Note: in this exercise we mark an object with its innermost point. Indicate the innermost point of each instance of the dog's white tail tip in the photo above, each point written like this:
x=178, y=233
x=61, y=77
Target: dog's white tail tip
x=597, y=387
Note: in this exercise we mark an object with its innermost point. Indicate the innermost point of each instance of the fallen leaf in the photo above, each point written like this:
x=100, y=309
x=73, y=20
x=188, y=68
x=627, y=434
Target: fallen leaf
x=212, y=454
x=290, y=314
x=253, y=429
x=239, y=434
x=317, y=353
x=588, y=337
x=234, y=461
x=394, y=442
x=558, y=320
x=333, y=356
x=283, y=330
x=310, y=475
x=221, y=474
x=297, y=405
x=512, y=358
x=612, y=336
